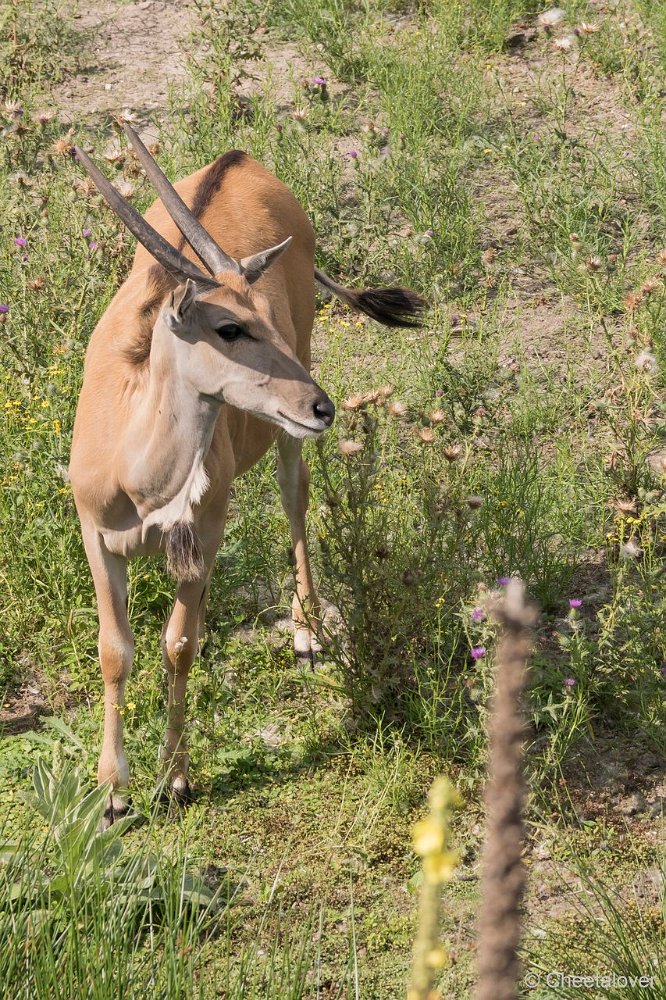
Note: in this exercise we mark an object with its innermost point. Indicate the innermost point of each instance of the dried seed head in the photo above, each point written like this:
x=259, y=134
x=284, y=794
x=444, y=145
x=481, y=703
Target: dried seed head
x=474, y=502
x=574, y=237
x=436, y=416
x=584, y=28
x=630, y=550
x=349, y=447
x=44, y=117
x=36, y=284
x=123, y=187
x=21, y=179
x=113, y=153
x=12, y=109
x=452, y=453
x=300, y=114
x=661, y=256
x=632, y=300
x=352, y=402
x=85, y=186
x=623, y=506
x=650, y=286
x=386, y=391
x=398, y=409
x=488, y=256
x=426, y=434
x=593, y=264
x=550, y=18
x=154, y=148
x=62, y=147
x=563, y=44
x=646, y=362
x=372, y=396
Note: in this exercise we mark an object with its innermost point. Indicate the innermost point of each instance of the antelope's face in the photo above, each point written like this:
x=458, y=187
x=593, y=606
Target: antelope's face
x=228, y=347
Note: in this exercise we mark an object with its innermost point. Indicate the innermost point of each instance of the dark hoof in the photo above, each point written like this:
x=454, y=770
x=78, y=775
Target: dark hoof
x=177, y=798
x=182, y=795
x=306, y=655
x=113, y=813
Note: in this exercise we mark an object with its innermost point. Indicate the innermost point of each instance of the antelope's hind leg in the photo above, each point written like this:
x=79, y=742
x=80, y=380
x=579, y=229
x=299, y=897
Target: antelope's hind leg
x=116, y=651
x=294, y=480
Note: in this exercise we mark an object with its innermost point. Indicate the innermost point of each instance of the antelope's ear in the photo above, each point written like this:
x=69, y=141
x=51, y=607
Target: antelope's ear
x=253, y=267
x=180, y=303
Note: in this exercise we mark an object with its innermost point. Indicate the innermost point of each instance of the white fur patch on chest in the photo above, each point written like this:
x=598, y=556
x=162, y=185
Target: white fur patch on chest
x=199, y=484
x=179, y=509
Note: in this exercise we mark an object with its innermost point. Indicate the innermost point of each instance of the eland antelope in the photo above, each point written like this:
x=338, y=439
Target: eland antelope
x=189, y=378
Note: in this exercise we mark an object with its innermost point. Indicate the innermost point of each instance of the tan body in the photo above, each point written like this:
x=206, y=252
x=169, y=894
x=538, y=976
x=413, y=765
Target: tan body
x=188, y=380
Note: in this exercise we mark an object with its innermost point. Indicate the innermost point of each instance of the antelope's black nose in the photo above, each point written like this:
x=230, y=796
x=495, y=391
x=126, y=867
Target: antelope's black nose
x=324, y=410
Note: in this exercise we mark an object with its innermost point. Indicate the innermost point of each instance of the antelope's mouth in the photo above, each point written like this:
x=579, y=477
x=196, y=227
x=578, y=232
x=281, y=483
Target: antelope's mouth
x=299, y=429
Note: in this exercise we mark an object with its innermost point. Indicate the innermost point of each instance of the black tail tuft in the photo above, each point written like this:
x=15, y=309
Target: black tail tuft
x=390, y=306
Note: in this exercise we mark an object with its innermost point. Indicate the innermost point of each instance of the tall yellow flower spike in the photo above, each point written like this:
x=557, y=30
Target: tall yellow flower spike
x=431, y=838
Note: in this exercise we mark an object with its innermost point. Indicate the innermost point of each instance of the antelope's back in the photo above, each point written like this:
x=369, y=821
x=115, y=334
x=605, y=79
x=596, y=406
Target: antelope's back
x=246, y=208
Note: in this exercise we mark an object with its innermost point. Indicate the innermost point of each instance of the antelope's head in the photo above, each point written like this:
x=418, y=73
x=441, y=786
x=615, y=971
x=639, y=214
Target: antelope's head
x=226, y=343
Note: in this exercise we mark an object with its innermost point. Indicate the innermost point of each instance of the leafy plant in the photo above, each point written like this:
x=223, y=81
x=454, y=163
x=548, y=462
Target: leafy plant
x=81, y=880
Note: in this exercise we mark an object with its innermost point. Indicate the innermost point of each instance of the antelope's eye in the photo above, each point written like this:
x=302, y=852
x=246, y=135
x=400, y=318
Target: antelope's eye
x=230, y=331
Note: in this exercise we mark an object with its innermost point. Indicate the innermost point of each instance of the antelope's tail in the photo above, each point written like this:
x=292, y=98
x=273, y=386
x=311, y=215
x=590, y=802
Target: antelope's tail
x=390, y=306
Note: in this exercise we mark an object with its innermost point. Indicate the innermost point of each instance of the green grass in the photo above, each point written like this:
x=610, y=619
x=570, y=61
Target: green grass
x=483, y=179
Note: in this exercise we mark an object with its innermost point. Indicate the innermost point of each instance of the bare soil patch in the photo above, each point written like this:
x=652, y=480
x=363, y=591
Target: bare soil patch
x=133, y=53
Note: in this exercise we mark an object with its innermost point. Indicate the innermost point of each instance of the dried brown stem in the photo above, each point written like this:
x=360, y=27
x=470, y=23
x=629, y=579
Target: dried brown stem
x=499, y=922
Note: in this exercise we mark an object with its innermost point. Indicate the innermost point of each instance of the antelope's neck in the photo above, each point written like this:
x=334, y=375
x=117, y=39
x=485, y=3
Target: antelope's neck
x=166, y=443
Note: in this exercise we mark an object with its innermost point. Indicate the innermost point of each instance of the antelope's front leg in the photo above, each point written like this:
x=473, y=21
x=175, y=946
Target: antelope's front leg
x=294, y=480
x=116, y=651
x=180, y=643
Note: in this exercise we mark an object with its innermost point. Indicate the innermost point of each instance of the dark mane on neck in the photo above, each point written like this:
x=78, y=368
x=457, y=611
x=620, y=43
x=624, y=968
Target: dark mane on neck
x=211, y=182
x=158, y=283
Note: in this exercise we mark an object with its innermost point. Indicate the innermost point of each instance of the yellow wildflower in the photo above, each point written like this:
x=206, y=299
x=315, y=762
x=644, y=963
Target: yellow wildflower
x=428, y=837
x=440, y=867
x=438, y=958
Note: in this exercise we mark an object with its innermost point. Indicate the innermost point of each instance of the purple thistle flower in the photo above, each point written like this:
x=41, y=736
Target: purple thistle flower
x=86, y=233
x=4, y=308
x=478, y=652
x=93, y=245
x=503, y=580
x=478, y=614
x=20, y=241
x=575, y=602
x=318, y=81
x=353, y=153
x=569, y=682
